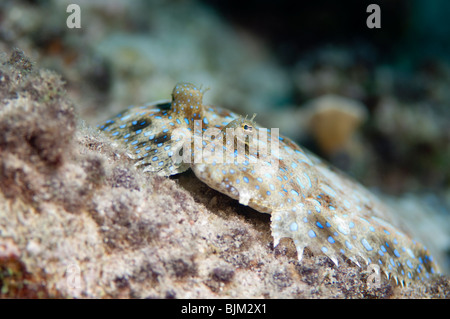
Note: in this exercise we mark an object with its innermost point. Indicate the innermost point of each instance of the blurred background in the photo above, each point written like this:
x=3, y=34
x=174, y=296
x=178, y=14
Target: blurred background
x=374, y=102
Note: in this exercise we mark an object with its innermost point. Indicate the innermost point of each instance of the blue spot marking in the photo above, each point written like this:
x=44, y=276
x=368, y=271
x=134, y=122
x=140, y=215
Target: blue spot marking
x=268, y=193
x=364, y=220
x=186, y=120
x=155, y=158
x=331, y=240
x=366, y=244
x=293, y=226
x=319, y=225
x=161, y=163
x=342, y=230
x=115, y=133
x=127, y=136
x=408, y=262
x=293, y=191
x=351, y=225
x=309, y=179
x=311, y=233
x=348, y=245
x=245, y=178
x=346, y=203
x=392, y=262
x=316, y=201
x=324, y=249
x=134, y=142
x=300, y=183
x=396, y=253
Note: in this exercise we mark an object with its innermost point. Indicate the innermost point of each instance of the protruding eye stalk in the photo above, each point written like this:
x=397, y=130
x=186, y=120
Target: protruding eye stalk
x=247, y=125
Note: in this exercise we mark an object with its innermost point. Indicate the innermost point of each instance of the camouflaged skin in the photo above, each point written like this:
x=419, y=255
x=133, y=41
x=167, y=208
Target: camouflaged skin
x=309, y=201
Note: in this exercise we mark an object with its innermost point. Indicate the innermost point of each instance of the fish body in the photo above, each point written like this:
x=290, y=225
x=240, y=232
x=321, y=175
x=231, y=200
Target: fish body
x=314, y=204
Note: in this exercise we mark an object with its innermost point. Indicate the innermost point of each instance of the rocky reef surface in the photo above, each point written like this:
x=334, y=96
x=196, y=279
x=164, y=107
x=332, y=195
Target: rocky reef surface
x=77, y=220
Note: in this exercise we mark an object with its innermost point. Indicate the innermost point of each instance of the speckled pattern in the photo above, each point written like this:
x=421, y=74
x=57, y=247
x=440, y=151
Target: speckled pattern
x=309, y=201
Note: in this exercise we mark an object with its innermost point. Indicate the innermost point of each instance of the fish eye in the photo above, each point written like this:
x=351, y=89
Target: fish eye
x=247, y=127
